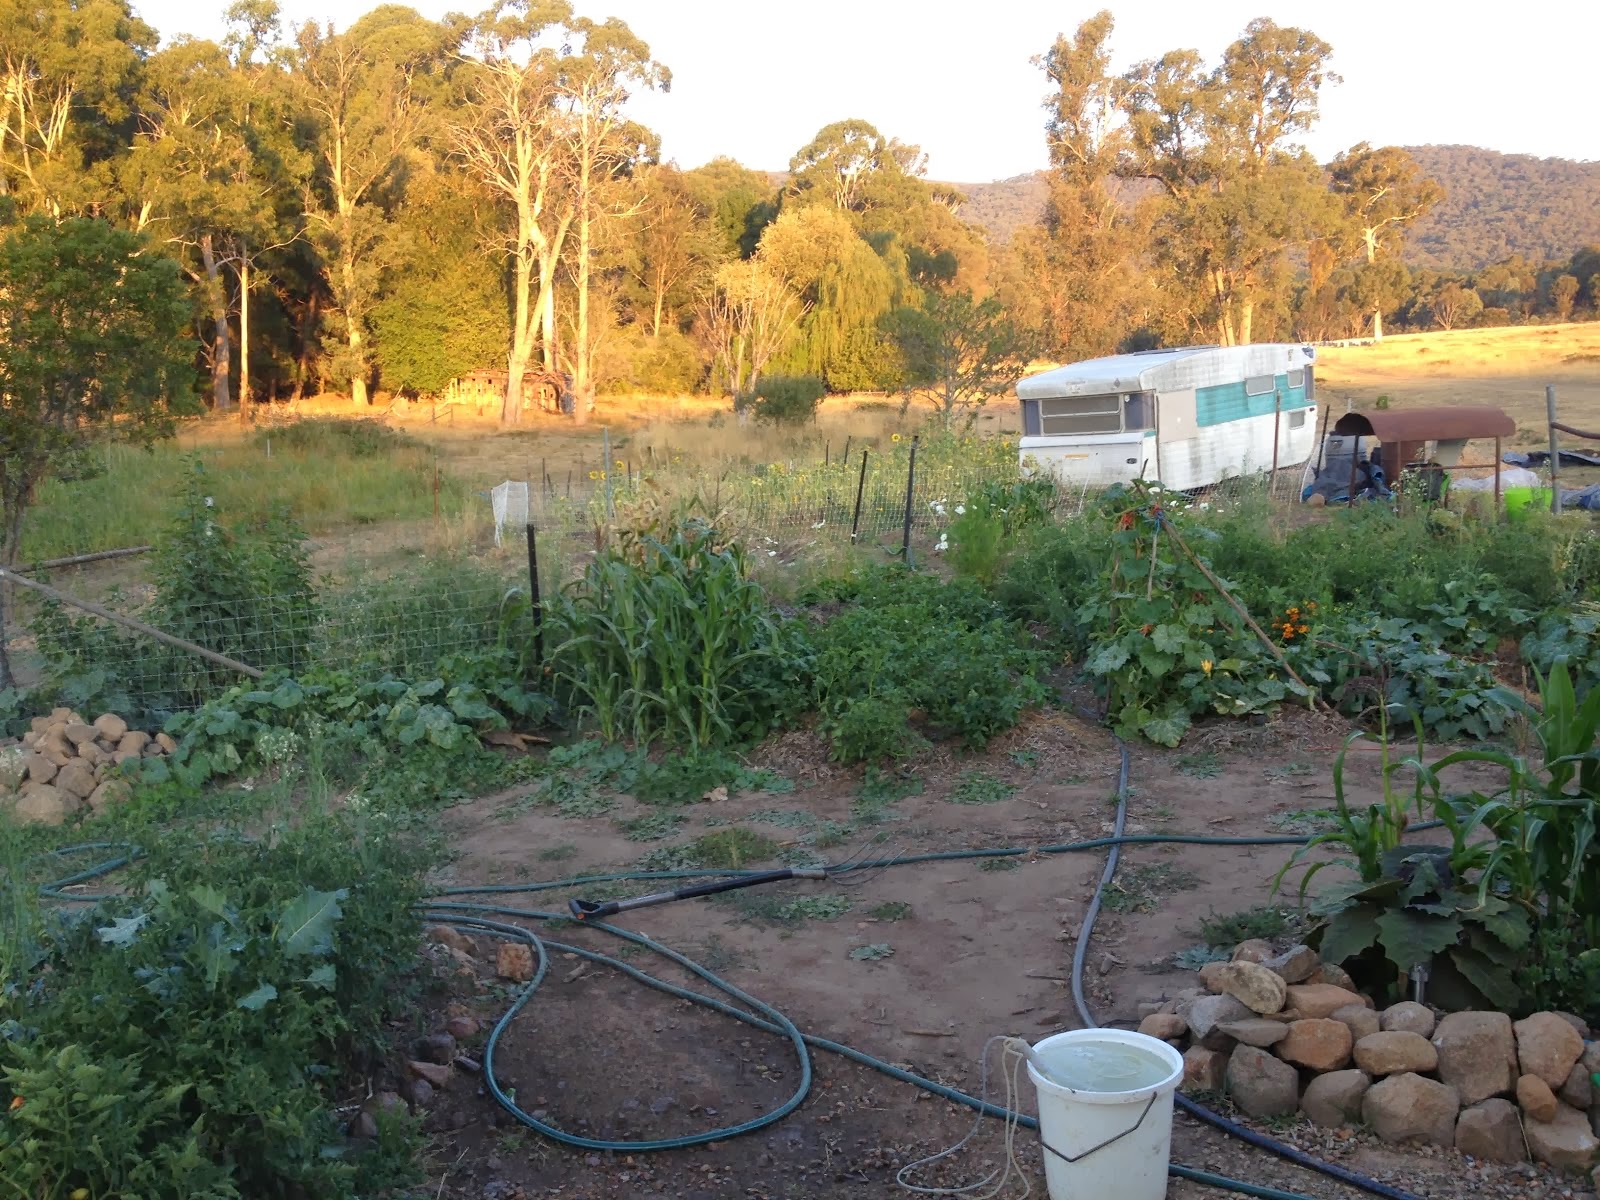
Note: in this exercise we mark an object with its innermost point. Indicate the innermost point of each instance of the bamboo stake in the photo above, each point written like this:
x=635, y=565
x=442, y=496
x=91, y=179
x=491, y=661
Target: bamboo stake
x=1272, y=646
x=51, y=564
x=233, y=664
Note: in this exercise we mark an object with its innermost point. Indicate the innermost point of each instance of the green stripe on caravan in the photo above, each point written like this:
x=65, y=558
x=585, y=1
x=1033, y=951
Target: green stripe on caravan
x=1224, y=402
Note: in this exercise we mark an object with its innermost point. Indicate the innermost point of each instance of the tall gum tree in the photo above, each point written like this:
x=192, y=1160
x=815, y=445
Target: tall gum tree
x=361, y=91
x=1382, y=191
x=595, y=82
x=511, y=133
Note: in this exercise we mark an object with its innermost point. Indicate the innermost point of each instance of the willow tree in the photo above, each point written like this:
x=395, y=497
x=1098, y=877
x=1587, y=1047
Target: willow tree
x=749, y=316
x=847, y=288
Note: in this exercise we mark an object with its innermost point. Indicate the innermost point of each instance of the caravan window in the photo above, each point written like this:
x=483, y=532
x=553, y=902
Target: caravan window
x=1258, y=385
x=1140, y=411
x=1297, y=377
x=1080, y=414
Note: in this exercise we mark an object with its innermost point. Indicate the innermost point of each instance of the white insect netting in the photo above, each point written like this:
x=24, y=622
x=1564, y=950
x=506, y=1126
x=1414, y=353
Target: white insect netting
x=510, y=501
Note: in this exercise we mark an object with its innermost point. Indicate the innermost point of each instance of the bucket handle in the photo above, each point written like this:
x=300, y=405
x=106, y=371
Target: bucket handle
x=1116, y=1137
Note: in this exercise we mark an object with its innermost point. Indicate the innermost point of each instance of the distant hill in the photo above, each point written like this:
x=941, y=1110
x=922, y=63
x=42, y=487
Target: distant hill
x=1005, y=205
x=1495, y=205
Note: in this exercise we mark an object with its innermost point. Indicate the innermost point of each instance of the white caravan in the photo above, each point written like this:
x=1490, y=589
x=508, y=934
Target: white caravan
x=1187, y=417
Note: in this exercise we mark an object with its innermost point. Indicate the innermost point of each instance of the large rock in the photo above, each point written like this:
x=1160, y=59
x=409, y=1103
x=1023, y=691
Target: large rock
x=1408, y=1107
x=1258, y=1032
x=1408, y=1017
x=133, y=742
x=1395, y=1053
x=1294, y=965
x=1335, y=974
x=166, y=741
x=112, y=791
x=1575, y=1021
x=39, y=769
x=1308, y=1001
x=111, y=727
x=76, y=780
x=1255, y=950
x=43, y=804
x=1205, y=1013
x=1334, y=1099
x=1567, y=1142
x=1204, y=1070
x=91, y=754
x=54, y=746
x=1535, y=1098
x=78, y=733
x=1361, y=1019
x=1257, y=988
x=1547, y=1047
x=1578, y=1090
x=1262, y=1085
x=437, y=1074
x=1322, y=1044
x=1477, y=1054
x=1163, y=1026
x=1491, y=1131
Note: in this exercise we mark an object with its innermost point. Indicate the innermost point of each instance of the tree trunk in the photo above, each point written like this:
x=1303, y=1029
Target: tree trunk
x=1377, y=324
x=1247, y=314
x=221, y=348
x=661, y=292
x=582, y=384
x=522, y=318
x=244, y=331
x=10, y=548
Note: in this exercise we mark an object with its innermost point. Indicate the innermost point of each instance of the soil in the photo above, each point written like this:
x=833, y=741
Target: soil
x=978, y=949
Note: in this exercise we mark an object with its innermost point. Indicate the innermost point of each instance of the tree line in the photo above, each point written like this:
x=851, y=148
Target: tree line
x=396, y=204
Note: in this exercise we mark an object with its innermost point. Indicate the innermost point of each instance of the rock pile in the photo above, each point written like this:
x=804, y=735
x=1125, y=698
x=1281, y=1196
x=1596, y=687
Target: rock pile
x=1280, y=1032
x=66, y=763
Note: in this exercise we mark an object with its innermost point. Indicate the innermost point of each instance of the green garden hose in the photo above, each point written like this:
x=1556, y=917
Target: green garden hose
x=480, y=918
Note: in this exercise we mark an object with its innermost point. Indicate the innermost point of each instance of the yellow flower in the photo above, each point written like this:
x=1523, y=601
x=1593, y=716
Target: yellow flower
x=894, y=437
x=594, y=474
x=1205, y=665
x=621, y=465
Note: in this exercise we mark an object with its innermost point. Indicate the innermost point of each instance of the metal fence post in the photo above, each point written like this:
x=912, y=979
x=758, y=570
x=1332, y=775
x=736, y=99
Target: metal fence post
x=605, y=473
x=1555, y=449
x=861, y=487
x=535, y=601
x=911, y=479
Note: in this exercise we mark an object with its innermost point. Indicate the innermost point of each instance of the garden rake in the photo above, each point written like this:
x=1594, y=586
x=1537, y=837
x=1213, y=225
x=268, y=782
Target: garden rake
x=854, y=871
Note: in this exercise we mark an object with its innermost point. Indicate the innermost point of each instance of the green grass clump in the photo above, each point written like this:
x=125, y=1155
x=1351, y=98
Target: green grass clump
x=326, y=481
x=723, y=849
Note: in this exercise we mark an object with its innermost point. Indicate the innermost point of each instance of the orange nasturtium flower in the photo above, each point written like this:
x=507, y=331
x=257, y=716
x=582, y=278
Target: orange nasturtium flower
x=1205, y=665
x=16, y=1103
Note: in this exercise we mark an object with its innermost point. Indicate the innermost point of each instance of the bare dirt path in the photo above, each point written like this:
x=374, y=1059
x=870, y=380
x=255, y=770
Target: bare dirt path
x=978, y=948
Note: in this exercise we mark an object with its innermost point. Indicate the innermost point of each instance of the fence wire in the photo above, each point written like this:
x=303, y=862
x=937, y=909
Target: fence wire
x=407, y=622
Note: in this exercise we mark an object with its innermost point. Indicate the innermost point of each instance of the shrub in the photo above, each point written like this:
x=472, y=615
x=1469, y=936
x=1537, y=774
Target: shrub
x=189, y=1037
x=342, y=437
x=909, y=650
x=787, y=399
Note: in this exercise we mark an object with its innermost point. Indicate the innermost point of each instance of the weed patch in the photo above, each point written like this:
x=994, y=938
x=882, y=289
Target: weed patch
x=1141, y=889
x=979, y=787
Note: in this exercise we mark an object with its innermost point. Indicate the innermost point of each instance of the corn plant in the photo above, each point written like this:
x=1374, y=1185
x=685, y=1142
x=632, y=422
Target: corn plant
x=667, y=638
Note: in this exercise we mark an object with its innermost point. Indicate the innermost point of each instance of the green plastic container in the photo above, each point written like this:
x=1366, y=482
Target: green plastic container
x=1520, y=499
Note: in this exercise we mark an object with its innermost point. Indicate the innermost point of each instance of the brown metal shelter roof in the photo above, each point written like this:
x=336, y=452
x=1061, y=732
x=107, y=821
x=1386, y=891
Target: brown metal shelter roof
x=1445, y=423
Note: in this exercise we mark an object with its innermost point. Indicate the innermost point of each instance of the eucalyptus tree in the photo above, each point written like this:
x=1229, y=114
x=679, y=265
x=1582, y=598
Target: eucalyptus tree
x=1382, y=191
x=1239, y=191
x=365, y=93
x=69, y=76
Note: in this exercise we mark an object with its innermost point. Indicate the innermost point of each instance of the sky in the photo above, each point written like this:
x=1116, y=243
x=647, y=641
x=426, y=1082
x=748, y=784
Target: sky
x=755, y=80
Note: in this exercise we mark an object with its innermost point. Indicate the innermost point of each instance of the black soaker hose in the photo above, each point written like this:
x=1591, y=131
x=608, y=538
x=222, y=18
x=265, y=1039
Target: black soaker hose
x=1259, y=1140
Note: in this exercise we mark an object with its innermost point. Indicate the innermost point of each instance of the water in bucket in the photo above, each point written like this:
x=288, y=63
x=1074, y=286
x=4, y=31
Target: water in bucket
x=1105, y=1113
x=1102, y=1067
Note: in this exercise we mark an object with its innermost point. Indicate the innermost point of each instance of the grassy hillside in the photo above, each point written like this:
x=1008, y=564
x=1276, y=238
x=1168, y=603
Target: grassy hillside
x=1495, y=205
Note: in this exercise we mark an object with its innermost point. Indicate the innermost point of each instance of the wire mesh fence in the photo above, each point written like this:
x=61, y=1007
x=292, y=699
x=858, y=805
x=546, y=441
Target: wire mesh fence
x=406, y=620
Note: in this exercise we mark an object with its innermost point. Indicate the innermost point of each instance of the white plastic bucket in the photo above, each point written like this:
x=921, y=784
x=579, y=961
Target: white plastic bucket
x=1120, y=1141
